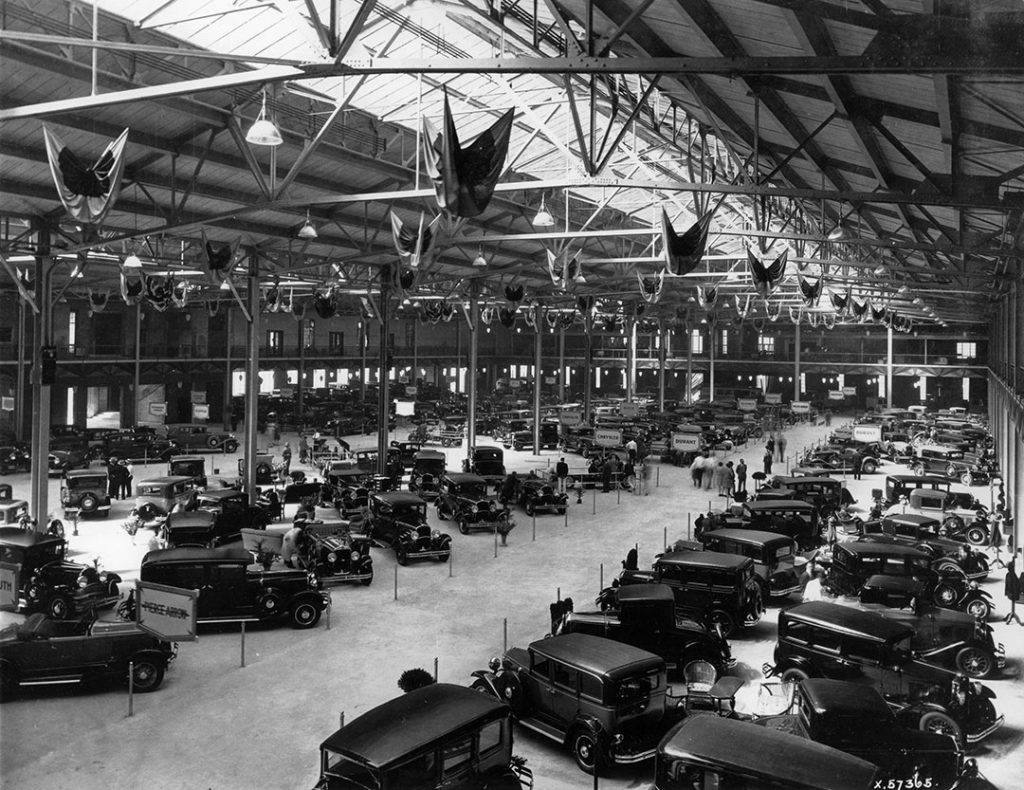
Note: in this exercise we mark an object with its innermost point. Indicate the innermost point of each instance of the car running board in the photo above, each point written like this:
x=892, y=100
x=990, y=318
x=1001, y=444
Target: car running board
x=543, y=728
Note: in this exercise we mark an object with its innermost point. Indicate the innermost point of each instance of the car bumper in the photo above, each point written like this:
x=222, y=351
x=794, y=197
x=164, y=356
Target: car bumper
x=340, y=578
x=1000, y=656
x=427, y=554
x=778, y=592
x=976, y=737
x=549, y=507
x=633, y=757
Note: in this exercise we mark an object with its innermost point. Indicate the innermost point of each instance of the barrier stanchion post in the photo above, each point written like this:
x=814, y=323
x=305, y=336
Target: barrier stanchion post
x=594, y=511
x=558, y=593
x=566, y=515
x=341, y=720
x=131, y=688
x=601, y=572
x=396, y=582
x=435, y=669
x=657, y=476
x=243, y=643
x=329, y=614
x=535, y=525
x=618, y=492
x=664, y=533
x=495, y=540
x=504, y=634
x=451, y=560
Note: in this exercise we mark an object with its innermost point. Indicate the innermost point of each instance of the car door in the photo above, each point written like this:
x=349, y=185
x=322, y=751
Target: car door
x=564, y=692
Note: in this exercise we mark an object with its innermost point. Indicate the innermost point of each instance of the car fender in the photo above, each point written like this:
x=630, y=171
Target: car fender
x=160, y=657
x=490, y=679
x=587, y=724
x=310, y=596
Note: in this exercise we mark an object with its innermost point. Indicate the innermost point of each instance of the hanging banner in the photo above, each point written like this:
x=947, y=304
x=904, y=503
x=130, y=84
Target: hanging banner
x=867, y=433
x=629, y=410
x=686, y=441
x=836, y=395
x=800, y=407
x=200, y=411
x=773, y=397
x=605, y=437
x=158, y=409
x=570, y=418
x=8, y=586
x=166, y=612
x=746, y=404
x=849, y=390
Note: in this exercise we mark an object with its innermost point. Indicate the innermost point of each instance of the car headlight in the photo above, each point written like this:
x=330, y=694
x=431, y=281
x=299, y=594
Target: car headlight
x=82, y=582
x=332, y=557
x=355, y=555
x=436, y=534
x=493, y=506
x=474, y=509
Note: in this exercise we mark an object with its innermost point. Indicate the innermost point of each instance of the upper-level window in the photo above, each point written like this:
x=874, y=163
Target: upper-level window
x=697, y=341
x=766, y=344
x=966, y=350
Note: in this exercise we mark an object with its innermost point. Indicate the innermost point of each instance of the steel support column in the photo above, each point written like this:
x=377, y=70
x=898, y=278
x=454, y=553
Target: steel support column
x=20, y=395
x=711, y=363
x=300, y=386
x=689, y=368
x=227, y=403
x=662, y=364
x=383, y=388
x=796, y=362
x=588, y=365
x=630, y=359
x=538, y=378
x=561, y=365
x=471, y=375
x=39, y=500
x=137, y=366
x=888, y=367
x=252, y=375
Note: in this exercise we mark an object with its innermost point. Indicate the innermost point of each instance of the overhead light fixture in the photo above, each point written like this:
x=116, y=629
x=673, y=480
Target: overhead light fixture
x=132, y=261
x=543, y=218
x=307, y=231
x=838, y=233
x=263, y=131
x=480, y=261
x=224, y=285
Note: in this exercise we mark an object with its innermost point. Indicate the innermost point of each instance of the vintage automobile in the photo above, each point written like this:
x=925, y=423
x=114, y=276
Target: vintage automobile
x=427, y=470
x=898, y=487
x=158, y=496
x=791, y=517
x=42, y=650
x=463, y=498
x=923, y=532
x=841, y=459
x=820, y=639
x=48, y=582
x=407, y=452
x=523, y=439
x=578, y=439
x=340, y=556
x=68, y=437
x=264, y=468
x=218, y=519
x=946, y=507
x=136, y=447
x=951, y=463
x=200, y=436
x=857, y=720
x=61, y=461
x=12, y=511
x=715, y=753
x=399, y=519
x=643, y=615
x=720, y=590
x=852, y=563
x=231, y=590
x=87, y=490
x=915, y=592
x=822, y=492
x=955, y=640
x=193, y=466
x=15, y=458
x=773, y=555
x=438, y=736
x=489, y=463
x=539, y=496
x=602, y=699
x=349, y=490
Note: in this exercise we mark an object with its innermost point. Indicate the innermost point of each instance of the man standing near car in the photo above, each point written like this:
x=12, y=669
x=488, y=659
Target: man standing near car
x=631, y=449
x=858, y=465
x=125, y=479
x=741, y=476
x=561, y=473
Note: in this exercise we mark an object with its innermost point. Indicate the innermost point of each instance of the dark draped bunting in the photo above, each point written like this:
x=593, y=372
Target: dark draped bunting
x=683, y=252
x=88, y=193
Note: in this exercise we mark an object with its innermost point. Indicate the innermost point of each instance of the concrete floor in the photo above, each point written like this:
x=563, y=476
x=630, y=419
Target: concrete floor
x=216, y=725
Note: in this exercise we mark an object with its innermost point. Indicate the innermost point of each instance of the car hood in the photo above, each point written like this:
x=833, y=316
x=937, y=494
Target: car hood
x=881, y=736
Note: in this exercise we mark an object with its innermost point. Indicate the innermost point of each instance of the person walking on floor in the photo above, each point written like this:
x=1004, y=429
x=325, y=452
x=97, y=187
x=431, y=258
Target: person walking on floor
x=709, y=473
x=858, y=465
x=730, y=479
x=631, y=449
x=125, y=479
x=561, y=473
x=741, y=476
x=767, y=462
x=780, y=444
x=645, y=477
x=770, y=446
x=286, y=456
x=606, y=476
x=721, y=479
x=303, y=449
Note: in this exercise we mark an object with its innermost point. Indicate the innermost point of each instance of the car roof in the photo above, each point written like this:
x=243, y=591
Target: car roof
x=707, y=559
x=749, y=536
x=911, y=518
x=646, y=592
x=765, y=752
x=16, y=536
x=191, y=518
x=465, y=477
x=429, y=455
x=487, y=448
x=832, y=696
x=399, y=498
x=597, y=655
x=408, y=723
x=849, y=619
x=165, y=480
x=188, y=458
x=190, y=553
x=72, y=474
x=780, y=504
x=929, y=492
x=221, y=493
x=868, y=547
x=936, y=479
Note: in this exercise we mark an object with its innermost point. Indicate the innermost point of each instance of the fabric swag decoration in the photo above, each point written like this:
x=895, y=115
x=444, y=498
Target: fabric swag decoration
x=766, y=278
x=707, y=297
x=88, y=193
x=98, y=300
x=464, y=178
x=811, y=293
x=650, y=287
x=683, y=252
x=414, y=244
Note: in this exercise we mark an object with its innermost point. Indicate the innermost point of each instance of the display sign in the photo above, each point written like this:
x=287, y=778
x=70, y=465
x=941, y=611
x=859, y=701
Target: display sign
x=515, y=383
x=570, y=418
x=746, y=404
x=849, y=390
x=867, y=433
x=606, y=437
x=549, y=379
x=7, y=403
x=8, y=586
x=686, y=441
x=287, y=392
x=836, y=395
x=166, y=612
x=773, y=397
x=800, y=407
x=200, y=411
x=410, y=391
x=158, y=409
x=629, y=410
x=198, y=397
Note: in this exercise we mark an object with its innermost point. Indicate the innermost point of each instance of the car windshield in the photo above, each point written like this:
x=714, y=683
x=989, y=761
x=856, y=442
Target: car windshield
x=144, y=489
x=187, y=467
x=355, y=775
x=473, y=490
x=411, y=512
x=636, y=689
x=430, y=466
x=88, y=482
